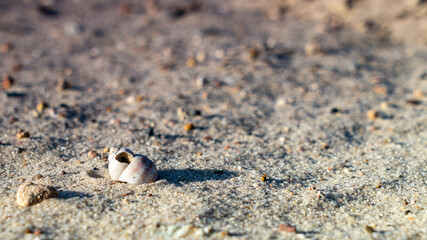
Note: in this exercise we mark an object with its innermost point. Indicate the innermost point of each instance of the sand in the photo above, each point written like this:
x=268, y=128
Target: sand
x=282, y=134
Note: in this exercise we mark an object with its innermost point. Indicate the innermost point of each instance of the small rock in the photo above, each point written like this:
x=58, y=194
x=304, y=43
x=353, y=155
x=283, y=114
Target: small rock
x=92, y=154
x=253, y=53
x=47, y=11
x=22, y=134
x=334, y=110
x=73, y=28
x=5, y=47
x=148, y=132
x=201, y=81
x=264, y=178
x=63, y=84
x=418, y=94
x=8, y=81
x=369, y=229
x=287, y=228
x=191, y=62
x=372, y=114
x=41, y=106
x=37, y=177
x=30, y=193
x=380, y=90
x=195, y=112
x=189, y=127
x=106, y=150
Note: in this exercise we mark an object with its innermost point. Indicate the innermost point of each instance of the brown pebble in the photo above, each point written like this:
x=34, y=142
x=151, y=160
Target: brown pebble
x=372, y=114
x=264, y=178
x=253, y=53
x=380, y=90
x=37, y=177
x=22, y=134
x=92, y=154
x=139, y=98
x=208, y=138
x=369, y=229
x=37, y=232
x=191, y=62
x=63, y=84
x=41, y=106
x=106, y=150
x=30, y=193
x=27, y=230
x=5, y=47
x=287, y=228
x=189, y=127
x=8, y=81
x=227, y=147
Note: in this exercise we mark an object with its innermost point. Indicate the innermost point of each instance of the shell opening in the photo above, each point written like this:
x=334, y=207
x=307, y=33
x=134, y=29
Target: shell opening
x=124, y=157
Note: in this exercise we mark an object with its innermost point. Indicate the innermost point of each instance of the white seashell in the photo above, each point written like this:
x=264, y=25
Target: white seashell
x=125, y=166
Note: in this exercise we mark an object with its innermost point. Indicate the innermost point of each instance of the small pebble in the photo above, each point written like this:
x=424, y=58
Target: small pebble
x=334, y=110
x=30, y=193
x=5, y=47
x=8, y=81
x=372, y=114
x=380, y=90
x=37, y=177
x=63, y=84
x=189, y=127
x=369, y=229
x=73, y=28
x=148, y=132
x=195, y=112
x=92, y=154
x=22, y=134
x=253, y=53
x=106, y=150
x=418, y=94
x=41, y=106
x=201, y=81
x=287, y=228
x=264, y=178
x=191, y=62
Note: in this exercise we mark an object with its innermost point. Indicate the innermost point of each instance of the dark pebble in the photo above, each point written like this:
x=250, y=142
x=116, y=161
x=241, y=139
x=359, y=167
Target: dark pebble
x=334, y=110
x=195, y=112
x=47, y=11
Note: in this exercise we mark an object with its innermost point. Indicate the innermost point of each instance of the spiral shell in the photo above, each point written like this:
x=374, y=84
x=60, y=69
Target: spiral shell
x=125, y=166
